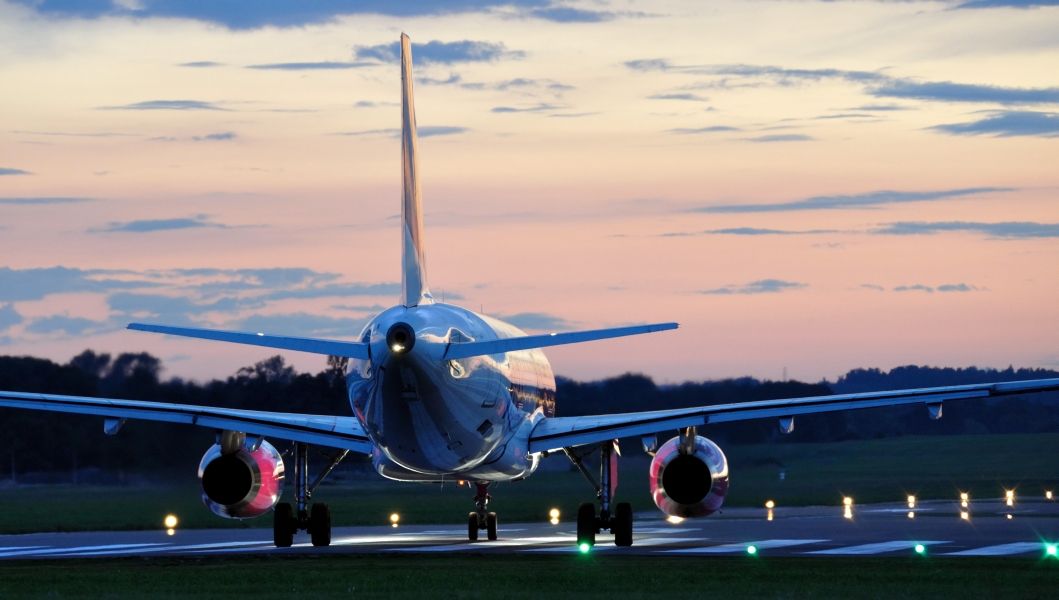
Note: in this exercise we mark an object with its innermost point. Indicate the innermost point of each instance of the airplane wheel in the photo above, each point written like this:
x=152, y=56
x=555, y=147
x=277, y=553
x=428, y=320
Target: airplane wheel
x=320, y=524
x=490, y=526
x=472, y=527
x=283, y=525
x=586, y=524
x=622, y=524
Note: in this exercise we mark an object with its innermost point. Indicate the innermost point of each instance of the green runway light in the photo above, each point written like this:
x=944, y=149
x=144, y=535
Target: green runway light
x=1051, y=550
x=751, y=550
x=921, y=549
x=584, y=548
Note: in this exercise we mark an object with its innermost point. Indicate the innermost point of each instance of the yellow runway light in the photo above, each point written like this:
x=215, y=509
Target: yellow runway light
x=170, y=521
x=1047, y=494
x=1009, y=497
x=170, y=531
x=964, y=515
x=674, y=520
x=911, y=501
x=770, y=504
x=395, y=519
x=911, y=514
x=965, y=499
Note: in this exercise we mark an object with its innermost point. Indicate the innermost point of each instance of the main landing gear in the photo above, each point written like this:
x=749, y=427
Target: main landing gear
x=481, y=518
x=590, y=522
x=288, y=520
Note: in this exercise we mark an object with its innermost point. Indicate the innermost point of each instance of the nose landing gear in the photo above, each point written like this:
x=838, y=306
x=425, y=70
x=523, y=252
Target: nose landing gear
x=589, y=521
x=481, y=518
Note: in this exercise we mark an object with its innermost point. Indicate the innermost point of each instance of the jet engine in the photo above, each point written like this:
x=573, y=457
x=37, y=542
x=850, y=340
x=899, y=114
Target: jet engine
x=243, y=482
x=689, y=479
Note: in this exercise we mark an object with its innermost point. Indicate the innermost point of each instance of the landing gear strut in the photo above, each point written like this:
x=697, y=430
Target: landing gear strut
x=590, y=522
x=481, y=518
x=316, y=520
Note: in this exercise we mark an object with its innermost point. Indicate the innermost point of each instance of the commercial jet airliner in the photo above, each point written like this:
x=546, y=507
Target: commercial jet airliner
x=440, y=393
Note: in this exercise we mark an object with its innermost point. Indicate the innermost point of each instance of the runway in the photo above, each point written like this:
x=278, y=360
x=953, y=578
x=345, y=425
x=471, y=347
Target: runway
x=991, y=529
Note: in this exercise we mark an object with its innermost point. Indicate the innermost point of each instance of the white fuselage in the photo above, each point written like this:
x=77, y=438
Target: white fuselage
x=433, y=419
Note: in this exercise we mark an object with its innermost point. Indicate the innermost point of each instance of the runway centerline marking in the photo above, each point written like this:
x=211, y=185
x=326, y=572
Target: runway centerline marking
x=878, y=548
x=79, y=549
x=486, y=545
x=644, y=543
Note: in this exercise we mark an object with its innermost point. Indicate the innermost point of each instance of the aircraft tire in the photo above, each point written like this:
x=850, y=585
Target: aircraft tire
x=490, y=526
x=622, y=526
x=283, y=525
x=320, y=524
x=472, y=527
x=586, y=524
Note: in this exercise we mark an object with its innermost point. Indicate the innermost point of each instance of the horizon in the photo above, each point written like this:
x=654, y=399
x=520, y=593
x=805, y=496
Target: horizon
x=804, y=186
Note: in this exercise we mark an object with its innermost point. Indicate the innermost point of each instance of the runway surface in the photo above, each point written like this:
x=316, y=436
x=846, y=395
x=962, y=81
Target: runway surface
x=873, y=530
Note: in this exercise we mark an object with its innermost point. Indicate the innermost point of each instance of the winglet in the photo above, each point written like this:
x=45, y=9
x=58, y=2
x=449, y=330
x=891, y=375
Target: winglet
x=414, y=290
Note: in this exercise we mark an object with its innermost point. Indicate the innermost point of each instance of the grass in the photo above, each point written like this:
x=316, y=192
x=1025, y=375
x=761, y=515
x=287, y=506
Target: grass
x=820, y=474
x=522, y=576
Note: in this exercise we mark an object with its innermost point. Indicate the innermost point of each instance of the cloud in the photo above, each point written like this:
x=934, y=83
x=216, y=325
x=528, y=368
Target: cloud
x=763, y=286
x=880, y=107
x=9, y=316
x=865, y=200
x=34, y=284
x=523, y=85
x=697, y=130
x=73, y=133
x=947, y=91
x=1007, y=124
x=437, y=52
x=222, y=136
x=1001, y=230
x=537, y=320
x=541, y=107
x=166, y=105
x=153, y=225
x=566, y=14
x=688, y=96
x=42, y=201
x=781, y=137
x=1007, y=3
x=310, y=66
x=753, y=231
x=201, y=64
x=302, y=324
x=61, y=324
x=374, y=104
x=872, y=286
x=438, y=130
x=11, y=171
x=423, y=131
x=918, y=287
x=956, y=287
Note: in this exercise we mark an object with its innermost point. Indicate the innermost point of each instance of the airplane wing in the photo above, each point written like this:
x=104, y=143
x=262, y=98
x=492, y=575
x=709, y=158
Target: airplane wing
x=311, y=345
x=467, y=349
x=324, y=430
x=564, y=432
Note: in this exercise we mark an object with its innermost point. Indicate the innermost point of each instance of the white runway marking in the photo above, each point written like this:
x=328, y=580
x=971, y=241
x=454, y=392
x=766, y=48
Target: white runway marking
x=486, y=545
x=1000, y=550
x=77, y=550
x=741, y=547
x=604, y=546
x=877, y=548
x=166, y=548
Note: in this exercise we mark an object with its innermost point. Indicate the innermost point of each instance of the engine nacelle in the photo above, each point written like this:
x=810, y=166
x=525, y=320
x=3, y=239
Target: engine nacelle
x=243, y=484
x=692, y=484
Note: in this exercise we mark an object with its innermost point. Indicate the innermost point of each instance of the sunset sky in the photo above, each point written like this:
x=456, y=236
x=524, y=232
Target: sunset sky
x=809, y=186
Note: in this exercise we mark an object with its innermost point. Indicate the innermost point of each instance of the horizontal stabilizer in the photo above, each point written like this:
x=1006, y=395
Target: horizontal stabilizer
x=311, y=345
x=466, y=349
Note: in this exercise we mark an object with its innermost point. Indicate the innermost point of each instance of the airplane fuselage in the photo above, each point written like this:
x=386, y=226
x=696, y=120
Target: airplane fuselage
x=433, y=419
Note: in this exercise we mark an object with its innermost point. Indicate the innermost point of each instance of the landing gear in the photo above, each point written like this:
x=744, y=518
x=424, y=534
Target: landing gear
x=481, y=518
x=590, y=522
x=315, y=519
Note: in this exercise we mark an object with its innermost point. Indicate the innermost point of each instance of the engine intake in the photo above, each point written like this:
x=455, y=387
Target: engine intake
x=242, y=484
x=691, y=484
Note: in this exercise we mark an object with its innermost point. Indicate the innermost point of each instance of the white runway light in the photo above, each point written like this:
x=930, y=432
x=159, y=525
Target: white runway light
x=911, y=501
x=553, y=516
x=1009, y=497
x=847, y=507
x=965, y=499
x=170, y=521
x=395, y=519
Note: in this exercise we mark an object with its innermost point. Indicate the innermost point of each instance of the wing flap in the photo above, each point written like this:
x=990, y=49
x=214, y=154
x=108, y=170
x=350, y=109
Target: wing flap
x=310, y=345
x=337, y=432
x=564, y=432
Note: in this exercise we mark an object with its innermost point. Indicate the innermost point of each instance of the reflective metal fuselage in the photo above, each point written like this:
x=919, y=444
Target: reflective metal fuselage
x=432, y=418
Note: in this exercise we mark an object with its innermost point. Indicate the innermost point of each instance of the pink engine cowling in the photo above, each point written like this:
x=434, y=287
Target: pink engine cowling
x=691, y=484
x=242, y=484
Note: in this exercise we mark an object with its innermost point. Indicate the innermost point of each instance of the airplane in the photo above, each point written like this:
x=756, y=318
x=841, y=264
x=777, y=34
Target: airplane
x=441, y=393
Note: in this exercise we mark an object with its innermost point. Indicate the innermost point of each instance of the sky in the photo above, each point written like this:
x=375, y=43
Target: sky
x=806, y=187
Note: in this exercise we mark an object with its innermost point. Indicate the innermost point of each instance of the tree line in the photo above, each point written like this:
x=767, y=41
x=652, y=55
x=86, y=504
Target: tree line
x=74, y=446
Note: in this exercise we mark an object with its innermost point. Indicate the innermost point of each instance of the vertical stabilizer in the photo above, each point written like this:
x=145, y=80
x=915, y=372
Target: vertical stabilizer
x=414, y=289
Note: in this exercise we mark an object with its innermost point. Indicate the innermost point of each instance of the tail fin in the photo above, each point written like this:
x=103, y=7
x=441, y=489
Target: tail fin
x=414, y=290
